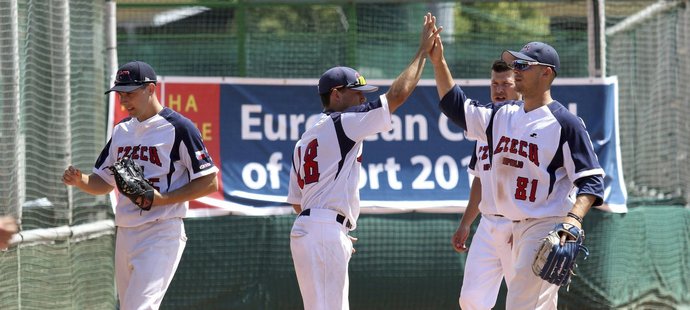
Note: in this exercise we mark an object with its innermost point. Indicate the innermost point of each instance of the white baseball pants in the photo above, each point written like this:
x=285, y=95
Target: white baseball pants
x=526, y=290
x=321, y=252
x=488, y=260
x=146, y=258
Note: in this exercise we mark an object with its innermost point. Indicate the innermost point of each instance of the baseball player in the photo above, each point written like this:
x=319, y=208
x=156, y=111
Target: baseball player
x=149, y=244
x=488, y=259
x=325, y=174
x=539, y=152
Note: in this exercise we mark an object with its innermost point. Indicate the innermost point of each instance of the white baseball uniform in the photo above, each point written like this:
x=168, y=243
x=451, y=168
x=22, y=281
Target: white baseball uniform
x=324, y=181
x=536, y=159
x=149, y=244
x=489, y=256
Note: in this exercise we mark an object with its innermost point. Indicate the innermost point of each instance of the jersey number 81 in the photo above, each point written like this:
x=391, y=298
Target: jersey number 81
x=521, y=190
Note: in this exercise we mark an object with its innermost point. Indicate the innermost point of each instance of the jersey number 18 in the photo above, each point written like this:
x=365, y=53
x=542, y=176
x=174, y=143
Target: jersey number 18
x=310, y=166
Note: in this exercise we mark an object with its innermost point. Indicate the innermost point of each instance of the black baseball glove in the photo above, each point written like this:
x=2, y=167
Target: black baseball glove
x=555, y=262
x=130, y=181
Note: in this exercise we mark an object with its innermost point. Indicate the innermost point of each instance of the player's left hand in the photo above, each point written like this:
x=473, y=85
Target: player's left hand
x=566, y=237
x=555, y=262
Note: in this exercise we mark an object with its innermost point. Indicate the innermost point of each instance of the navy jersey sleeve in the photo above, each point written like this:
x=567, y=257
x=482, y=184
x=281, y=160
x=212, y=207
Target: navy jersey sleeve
x=579, y=158
x=592, y=185
x=471, y=115
x=105, y=159
x=102, y=158
x=189, y=146
x=472, y=166
x=452, y=106
x=193, y=148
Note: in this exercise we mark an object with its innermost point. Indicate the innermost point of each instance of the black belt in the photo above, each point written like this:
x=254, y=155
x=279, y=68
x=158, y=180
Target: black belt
x=514, y=221
x=338, y=218
x=525, y=219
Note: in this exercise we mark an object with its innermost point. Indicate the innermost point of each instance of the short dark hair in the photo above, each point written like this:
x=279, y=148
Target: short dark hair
x=500, y=66
x=325, y=99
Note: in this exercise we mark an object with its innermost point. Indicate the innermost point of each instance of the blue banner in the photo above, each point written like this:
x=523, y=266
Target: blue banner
x=420, y=164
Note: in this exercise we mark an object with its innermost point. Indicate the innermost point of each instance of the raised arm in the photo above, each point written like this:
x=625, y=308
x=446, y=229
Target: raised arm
x=444, y=80
x=406, y=82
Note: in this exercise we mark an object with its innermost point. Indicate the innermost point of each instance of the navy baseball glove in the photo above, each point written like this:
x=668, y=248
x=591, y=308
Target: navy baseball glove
x=555, y=263
x=130, y=181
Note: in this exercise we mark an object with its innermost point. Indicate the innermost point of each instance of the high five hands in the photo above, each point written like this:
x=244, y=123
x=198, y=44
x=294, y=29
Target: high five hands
x=430, y=34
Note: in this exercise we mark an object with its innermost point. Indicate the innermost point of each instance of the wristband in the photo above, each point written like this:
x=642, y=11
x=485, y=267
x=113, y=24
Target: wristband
x=573, y=215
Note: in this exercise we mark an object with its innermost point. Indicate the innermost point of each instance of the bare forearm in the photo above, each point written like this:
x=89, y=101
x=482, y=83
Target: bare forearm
x=472, y=210
x=406, y=82
x=197, y=188
x=444, y=80
x=93, y=184
x=582, y=205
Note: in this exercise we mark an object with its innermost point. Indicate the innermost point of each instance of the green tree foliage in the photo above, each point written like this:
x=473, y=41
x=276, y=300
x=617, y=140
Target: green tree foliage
x=521, y=22
x=284, y=19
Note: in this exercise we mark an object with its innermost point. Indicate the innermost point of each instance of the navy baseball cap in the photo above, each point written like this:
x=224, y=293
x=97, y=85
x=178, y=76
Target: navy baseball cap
x=347, y=77
x=132, y=76
x=535, y=51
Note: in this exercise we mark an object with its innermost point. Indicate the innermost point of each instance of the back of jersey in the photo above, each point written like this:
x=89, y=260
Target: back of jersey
x=327, y=159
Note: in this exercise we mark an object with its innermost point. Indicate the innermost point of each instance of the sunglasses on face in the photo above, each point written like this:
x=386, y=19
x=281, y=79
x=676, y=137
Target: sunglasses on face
x=523, y=65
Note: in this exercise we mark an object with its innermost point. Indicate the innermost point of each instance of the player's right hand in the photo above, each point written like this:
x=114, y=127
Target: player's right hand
x=459, y=238
x=72, y=176
x=436, y=52
x=353, y=240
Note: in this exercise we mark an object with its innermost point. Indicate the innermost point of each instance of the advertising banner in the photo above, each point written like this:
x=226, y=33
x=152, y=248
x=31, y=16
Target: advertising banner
x=250, y=127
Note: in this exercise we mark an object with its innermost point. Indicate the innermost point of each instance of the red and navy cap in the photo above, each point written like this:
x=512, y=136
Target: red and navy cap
x=535, y=51
x=338, y=77
x=132, y=76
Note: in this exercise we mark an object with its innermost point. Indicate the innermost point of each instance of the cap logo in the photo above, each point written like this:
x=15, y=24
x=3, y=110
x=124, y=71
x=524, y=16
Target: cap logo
x=361, y=80
x=123, y=75
x=526, y=47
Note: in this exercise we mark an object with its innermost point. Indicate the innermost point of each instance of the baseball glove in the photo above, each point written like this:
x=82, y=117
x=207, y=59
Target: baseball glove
x=130, y=181
x=555, y=262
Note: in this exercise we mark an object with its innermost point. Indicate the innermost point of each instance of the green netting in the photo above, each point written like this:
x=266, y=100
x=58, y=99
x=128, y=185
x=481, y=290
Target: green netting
x=52, y=113
x=405, y=261
x=648, y=51
x=301, y=40
x=53, y=108
x=63, y=274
